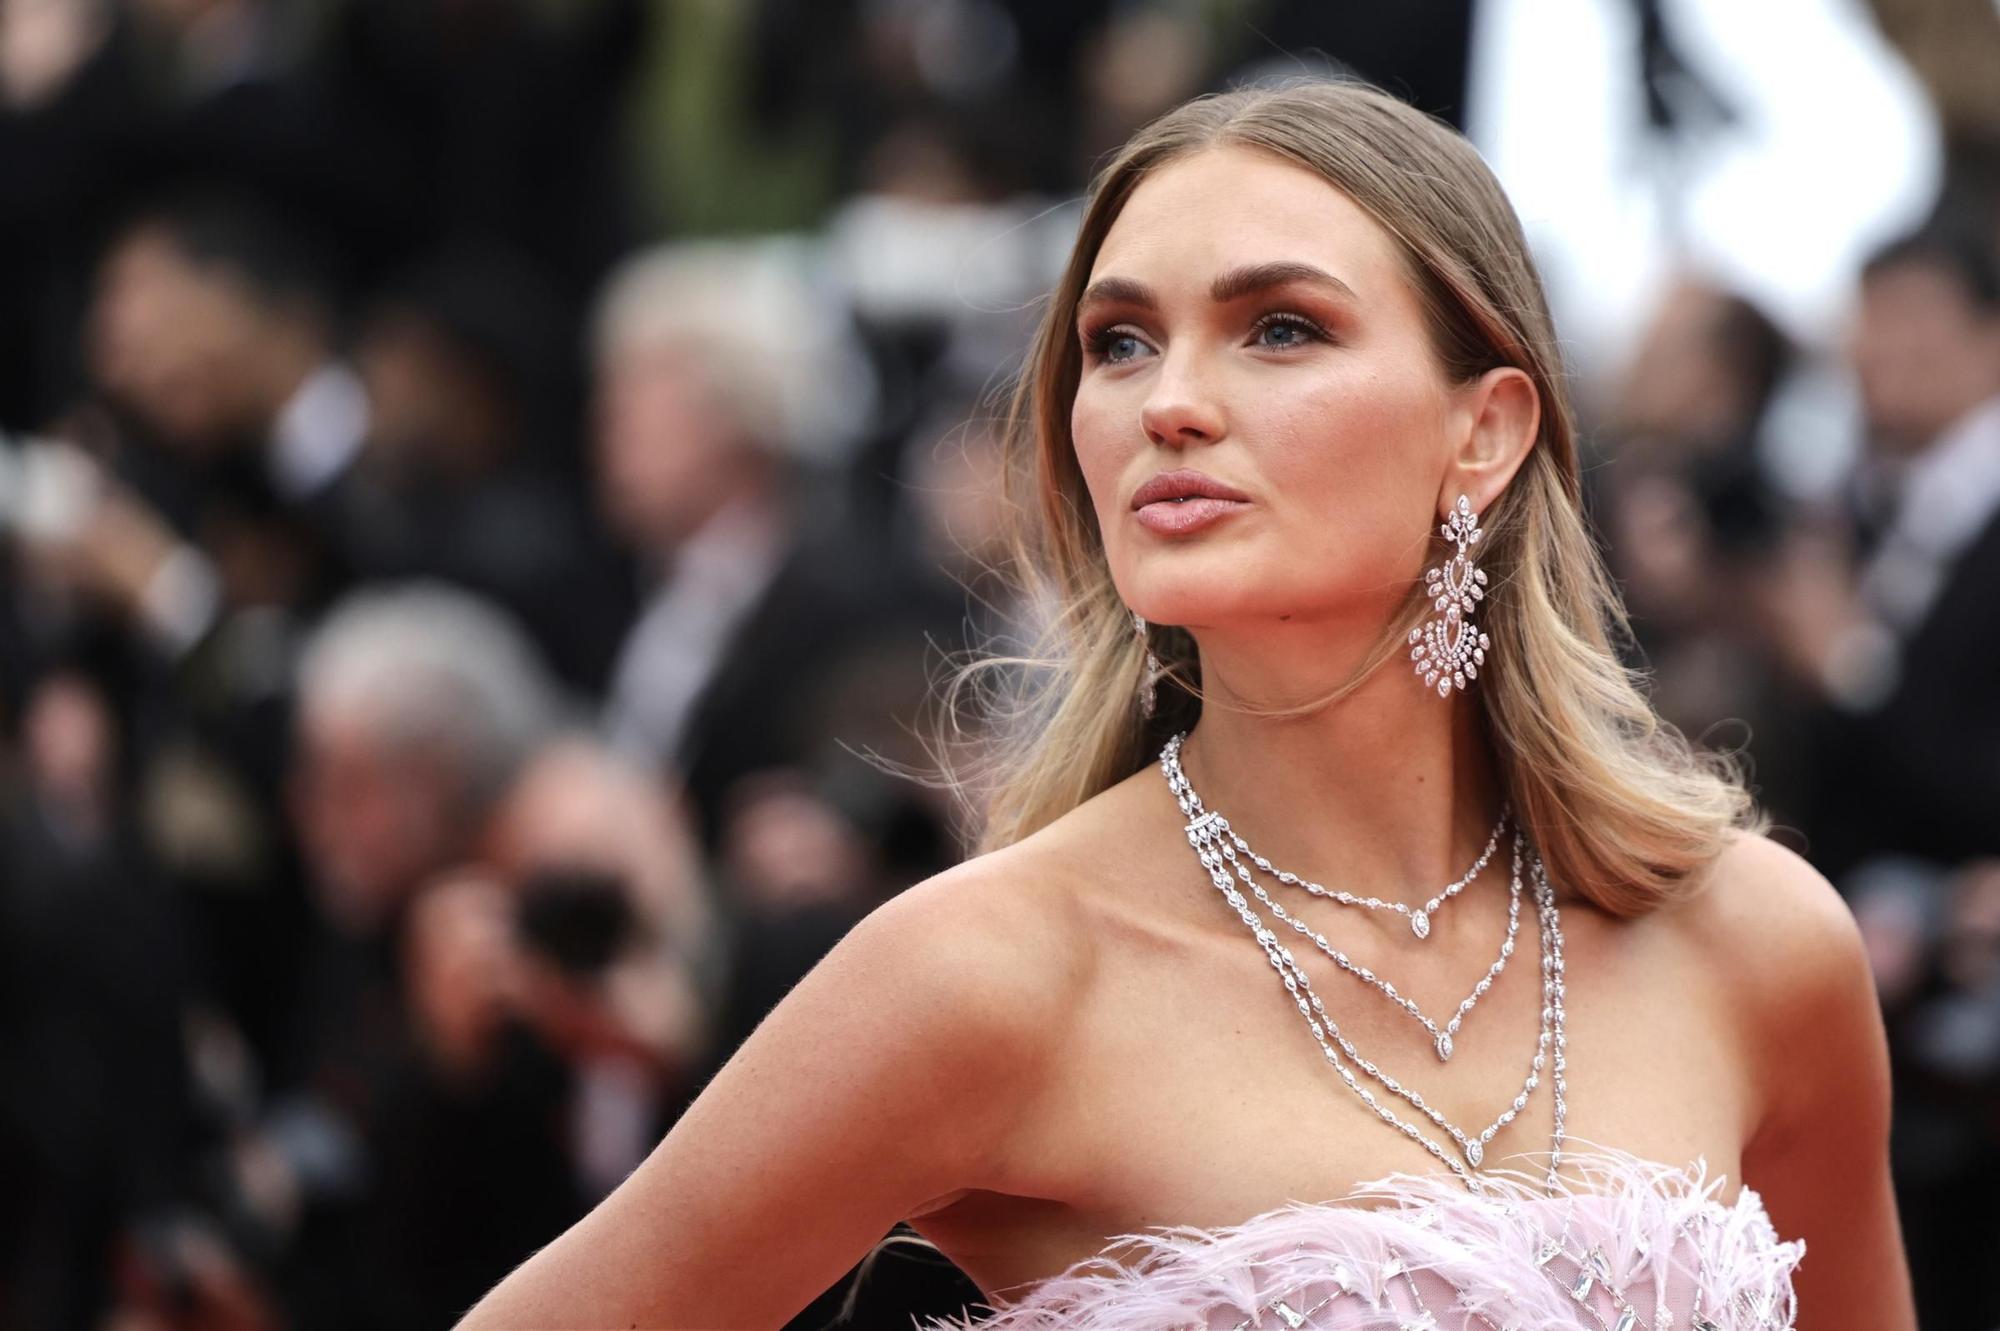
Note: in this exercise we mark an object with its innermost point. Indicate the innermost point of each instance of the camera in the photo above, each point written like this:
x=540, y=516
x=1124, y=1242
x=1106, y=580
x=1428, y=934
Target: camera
x=577, y=917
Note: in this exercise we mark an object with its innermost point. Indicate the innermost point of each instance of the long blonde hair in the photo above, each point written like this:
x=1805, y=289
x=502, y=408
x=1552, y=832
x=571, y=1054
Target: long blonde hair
x=1625, y=811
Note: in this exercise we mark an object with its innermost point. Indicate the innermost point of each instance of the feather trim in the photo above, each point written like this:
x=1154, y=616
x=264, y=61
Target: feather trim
x=1635, y=1235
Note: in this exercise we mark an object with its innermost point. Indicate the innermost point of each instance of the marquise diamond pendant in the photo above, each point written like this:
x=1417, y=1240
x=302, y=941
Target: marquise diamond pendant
x=1474, y=1153
x=1444, y=1046
x=1420, y=924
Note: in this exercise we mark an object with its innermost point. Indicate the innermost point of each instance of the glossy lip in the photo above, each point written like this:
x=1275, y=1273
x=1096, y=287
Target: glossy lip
x=1183, y=483
x=1177, y=502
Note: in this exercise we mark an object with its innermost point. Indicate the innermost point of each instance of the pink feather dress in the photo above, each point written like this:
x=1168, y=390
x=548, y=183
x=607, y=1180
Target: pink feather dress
x=1639, y=1246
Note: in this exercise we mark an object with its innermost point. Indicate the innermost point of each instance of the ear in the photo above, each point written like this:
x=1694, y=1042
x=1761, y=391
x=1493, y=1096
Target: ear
x=1496, y=420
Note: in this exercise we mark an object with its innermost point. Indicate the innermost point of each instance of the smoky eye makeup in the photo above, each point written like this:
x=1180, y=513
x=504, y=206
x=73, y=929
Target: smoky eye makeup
x=1099, y=339
x=1304, y=330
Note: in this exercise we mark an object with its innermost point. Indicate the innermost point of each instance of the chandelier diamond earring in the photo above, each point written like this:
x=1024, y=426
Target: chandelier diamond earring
x=1448, y=649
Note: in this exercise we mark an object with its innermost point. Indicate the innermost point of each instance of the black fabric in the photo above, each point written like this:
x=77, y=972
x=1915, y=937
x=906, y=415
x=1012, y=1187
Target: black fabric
x=1920, y=774
x=837, y=599
x=94, y=1123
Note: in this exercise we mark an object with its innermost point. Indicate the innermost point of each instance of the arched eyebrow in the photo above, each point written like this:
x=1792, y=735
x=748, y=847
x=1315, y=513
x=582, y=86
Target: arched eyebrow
x=1253, y=278
x=1232, y=285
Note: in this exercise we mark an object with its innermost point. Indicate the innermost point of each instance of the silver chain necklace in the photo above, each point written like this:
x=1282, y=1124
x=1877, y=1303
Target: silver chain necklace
x=1420, y=918
x=1473, y=1147
x=1203, y=837
x=1441, y=1040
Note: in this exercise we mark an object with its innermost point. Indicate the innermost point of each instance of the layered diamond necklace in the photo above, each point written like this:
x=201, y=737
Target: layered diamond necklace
x=1441, y=1039
x=1420, y=918
x=1218, y=847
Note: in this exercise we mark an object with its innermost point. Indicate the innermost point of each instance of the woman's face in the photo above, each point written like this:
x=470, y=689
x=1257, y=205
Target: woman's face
x=1247, y=322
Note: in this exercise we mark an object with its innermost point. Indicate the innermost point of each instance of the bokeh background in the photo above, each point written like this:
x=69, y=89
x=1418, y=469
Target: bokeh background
x=487, y=488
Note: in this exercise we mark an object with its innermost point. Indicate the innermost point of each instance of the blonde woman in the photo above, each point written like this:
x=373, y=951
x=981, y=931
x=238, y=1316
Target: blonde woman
x=1352, y=947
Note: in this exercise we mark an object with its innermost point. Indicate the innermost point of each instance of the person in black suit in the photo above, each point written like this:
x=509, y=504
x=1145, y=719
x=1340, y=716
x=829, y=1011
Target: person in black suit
x=1903, y=655
x=723, y=393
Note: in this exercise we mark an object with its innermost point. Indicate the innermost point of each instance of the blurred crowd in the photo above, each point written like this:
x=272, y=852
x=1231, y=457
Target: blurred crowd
x=472, y=560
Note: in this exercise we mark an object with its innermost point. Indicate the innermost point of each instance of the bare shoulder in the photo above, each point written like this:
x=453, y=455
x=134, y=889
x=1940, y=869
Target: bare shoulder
x=1782, y=936
x=1005, y=938
x=995, y=933
x=1787, y=950
x=1038, y=892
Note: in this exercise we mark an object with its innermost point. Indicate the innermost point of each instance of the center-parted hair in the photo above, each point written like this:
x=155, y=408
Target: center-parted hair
x=1625, y=811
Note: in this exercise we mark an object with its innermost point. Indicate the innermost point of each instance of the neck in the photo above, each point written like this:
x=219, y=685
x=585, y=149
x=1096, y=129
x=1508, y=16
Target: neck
x=1390, y=792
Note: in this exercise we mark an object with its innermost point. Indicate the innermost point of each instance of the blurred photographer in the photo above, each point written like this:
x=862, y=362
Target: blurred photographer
x=418, y=706
x=625, y=968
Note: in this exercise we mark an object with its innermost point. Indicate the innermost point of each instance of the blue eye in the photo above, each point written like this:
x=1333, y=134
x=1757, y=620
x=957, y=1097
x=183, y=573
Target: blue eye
x=1300, y=330
x=1099, y=343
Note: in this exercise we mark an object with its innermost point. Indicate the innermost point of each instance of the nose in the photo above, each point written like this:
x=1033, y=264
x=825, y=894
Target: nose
x=1180, y=409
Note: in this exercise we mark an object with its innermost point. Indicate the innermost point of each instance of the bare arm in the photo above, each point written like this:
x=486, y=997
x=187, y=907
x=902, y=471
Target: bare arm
x=1820, y=1158
x=890, y=1076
